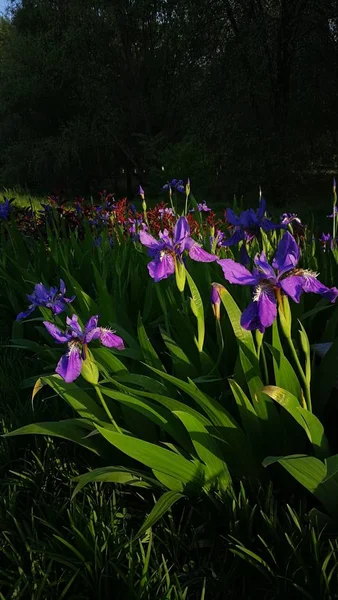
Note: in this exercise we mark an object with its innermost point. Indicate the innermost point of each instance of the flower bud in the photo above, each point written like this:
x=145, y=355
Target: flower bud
x=180, y=274
x=215, y=299
x=90, y=371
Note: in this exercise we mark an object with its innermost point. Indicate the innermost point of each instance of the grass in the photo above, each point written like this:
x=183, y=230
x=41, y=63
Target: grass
x=248, y=543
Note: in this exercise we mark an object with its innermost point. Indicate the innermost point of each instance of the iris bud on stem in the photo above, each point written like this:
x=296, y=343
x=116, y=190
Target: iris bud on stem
x=89, y=369
x=180, y=275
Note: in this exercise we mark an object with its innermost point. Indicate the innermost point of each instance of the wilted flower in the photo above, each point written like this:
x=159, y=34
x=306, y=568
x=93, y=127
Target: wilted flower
x=270, y=282
x=169, y=249
x=70, y=364
x=249, y=222
x=49, y=297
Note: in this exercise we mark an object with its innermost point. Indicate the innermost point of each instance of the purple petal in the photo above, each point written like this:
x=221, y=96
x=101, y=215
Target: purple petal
x=268, y=225
x=264, y=268
x=56, y=333
x=74, y=325
x=70, y=364
x=62, y=287
x=311, y=284
x=248, y=219
x=231, y=217
x=26, y=313
x=200, y=255
x=244, y=256
x=181, y=230
x=237, y=236
x=236, y=273
x=93, y=334
x=267, y=305
x=287, y=255
x=261, y=209
x=149, y=241
x=41, y=292
x=111, y=340
x=293, y=287
x=162, y=267
x=250, y=318
x=91, y=324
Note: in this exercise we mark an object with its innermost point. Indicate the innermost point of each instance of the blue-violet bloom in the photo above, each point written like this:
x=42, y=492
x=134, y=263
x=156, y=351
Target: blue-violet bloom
x=49, y=297
x=271, y=281
x=169, y=249
x=70, y=364
x=249, y=222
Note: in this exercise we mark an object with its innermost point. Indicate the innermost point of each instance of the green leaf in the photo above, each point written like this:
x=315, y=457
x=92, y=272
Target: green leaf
x=285, y=375
x=243, y=335
x=160, y=459
x=325, y=378
x=149, y=354
x=207, y=450
x=161, y=507
x=196, y=305
x=115, y=475
x=307, y=420
x=248, y=415
x=160, y=416
x=74, y=430
x=226, y=428
x=76, y=397
x=308, y=470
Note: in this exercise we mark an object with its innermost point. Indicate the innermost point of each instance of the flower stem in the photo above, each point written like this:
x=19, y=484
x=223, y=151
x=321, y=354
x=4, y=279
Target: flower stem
x=103, y=402
x=302, y=374
x=261, y=351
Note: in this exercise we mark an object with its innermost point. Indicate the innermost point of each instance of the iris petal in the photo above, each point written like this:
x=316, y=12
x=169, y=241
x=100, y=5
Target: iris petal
x=111, y=340
x=181, y=230
x=293, y=287
x=161, y=267
x=56, y=333
x=287, y=255
x=264, y=268
x=250, y=318
x=267, y=306
x=200, y=255
x=236, y=273
x=70, y=364
x=149, y=241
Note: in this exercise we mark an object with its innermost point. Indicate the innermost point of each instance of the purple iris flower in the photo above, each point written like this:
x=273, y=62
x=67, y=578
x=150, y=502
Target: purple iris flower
x=5, y=208
x=287, y=218
x=270, y=281
x=249, y=222
x=70, y=364
x=334, y=213
x=326, y=240
x=202, y=207
x=218, y=237
x=177, y=185
x=49, y=297
x=169, y=249
x=166, y=211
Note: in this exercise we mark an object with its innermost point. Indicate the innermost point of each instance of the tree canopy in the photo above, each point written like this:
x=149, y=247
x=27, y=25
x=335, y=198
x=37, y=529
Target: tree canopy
x=230, y=92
